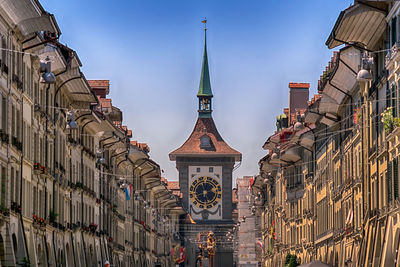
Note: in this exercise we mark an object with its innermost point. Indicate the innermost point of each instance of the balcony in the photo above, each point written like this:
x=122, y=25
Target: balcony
x=4, y=137
x=392, y=55
x=337, y=192
x=16, y=143
x=16, y=80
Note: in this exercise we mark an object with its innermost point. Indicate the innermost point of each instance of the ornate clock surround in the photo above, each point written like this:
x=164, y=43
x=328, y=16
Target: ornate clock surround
x=205, y=192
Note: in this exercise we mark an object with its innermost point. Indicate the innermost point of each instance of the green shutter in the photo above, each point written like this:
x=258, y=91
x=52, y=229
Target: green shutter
x=389, y=181
x=396, y=178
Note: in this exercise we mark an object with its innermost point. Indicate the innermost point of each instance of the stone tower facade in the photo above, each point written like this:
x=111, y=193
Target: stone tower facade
x=205, y=163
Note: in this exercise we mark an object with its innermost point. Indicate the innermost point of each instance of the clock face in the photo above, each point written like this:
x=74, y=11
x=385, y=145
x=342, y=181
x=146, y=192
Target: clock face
x=205, y=192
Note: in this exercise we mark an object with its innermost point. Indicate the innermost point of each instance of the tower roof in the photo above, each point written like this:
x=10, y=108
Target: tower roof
x=205, y=84
x=205, y=127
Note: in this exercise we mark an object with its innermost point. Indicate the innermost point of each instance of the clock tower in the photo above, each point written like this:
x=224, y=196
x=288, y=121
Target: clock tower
x=205, y=163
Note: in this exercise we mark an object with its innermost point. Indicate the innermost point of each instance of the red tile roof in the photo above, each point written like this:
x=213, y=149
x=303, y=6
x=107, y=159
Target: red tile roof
x=141, y=146
x=100, y=87
x=299, y=85
x=191, y=148
x=105, y=102
x=173, y=185
x=99, y=83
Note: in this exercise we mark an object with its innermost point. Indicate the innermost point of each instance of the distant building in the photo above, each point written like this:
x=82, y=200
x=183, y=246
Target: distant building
x=246, y=231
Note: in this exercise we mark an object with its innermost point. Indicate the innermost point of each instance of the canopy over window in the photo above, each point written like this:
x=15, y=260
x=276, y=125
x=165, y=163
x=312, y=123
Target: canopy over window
x=340, y=83
x=360, y=24
x=29, y=16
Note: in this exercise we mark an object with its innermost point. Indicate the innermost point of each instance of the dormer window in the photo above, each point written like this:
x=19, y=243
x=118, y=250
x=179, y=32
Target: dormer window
x=205, y=142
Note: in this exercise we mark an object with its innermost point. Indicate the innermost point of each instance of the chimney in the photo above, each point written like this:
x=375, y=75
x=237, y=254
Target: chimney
x=298, y=97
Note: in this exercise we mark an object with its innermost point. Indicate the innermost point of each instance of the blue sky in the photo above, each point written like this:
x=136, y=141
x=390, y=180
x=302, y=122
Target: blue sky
x=151, y=51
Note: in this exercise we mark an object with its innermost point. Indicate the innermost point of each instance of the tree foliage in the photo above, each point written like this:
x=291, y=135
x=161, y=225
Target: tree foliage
x=291, y=261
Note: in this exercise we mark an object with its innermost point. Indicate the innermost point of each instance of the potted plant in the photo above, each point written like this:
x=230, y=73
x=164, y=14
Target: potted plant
x=389, y=122
x=25, y=262
x=52, y=216
x=93, y=227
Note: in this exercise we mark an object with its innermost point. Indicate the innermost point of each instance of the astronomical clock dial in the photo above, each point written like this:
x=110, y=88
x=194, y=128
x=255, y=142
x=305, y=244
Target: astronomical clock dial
x=205, y=192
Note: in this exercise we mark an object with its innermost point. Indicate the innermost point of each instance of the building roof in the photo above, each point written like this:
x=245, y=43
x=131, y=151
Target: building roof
x=299, y=85
x=205, y=84
x=218, y=148
x=141, y=146
x=173, y=185
x=99, y=83
x=105, y=102
x=101, y=87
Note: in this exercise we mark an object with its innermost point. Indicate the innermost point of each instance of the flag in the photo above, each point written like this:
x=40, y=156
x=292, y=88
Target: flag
x=128, y=197
x=260, y=244
x=130, y=189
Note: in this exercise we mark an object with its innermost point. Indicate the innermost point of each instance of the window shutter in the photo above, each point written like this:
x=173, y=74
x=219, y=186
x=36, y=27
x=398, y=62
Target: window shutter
x=396, y=178
x=389, y=181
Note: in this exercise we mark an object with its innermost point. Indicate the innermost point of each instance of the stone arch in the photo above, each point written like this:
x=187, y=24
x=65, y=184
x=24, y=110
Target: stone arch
x=41, y=256
x=2, y=251
x=92, y=258
x=69, y=256
x=15, y=245
x=50, y=254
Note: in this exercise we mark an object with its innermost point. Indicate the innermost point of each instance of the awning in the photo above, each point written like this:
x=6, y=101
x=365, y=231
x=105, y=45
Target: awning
x=272, y=141
x=29, y=16
x=342, y=81
x=58, y=63
x=77, y=86
x=339, y=84
x=328, y=105
x=360, y=23
x=307, y=139
x=312, y=116
x=291, y=155
x=327, y=121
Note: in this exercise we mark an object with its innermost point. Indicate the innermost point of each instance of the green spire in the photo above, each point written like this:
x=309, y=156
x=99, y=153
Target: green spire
x=205, y=85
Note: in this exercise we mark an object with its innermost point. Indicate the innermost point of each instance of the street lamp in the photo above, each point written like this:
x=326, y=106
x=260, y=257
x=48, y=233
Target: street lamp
x=45, y=67
x=71, y=123
x=364, y=75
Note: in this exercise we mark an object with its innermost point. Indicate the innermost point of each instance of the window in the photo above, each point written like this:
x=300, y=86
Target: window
x=4, y=113
x=205, y=142
x=198, y=170
x=394, y=30
x=211, y=169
